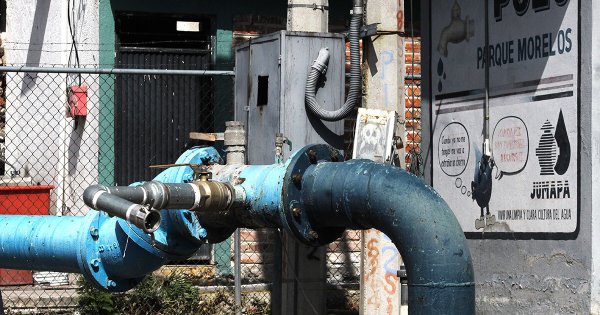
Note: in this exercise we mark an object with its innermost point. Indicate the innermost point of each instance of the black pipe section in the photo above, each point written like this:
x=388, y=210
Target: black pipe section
x=159, y=195
x=143, y=217
x=320, y=66
x=361, y=194
x=136, y=204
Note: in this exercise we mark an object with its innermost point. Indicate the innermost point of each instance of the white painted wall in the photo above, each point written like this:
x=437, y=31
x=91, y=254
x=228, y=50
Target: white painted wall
x=39, y=133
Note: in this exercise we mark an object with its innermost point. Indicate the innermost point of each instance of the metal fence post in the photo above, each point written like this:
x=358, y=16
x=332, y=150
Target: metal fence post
x=238, y=272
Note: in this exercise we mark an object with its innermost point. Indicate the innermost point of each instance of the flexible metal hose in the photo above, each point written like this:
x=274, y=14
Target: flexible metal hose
x=355, y=75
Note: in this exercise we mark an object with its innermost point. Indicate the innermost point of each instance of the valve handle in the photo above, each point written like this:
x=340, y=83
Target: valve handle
x=175, y=165
x=201, y=171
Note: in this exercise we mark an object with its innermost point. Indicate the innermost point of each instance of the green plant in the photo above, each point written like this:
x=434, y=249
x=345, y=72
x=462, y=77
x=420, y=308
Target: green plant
x=155, y=295
x=93, y=301
x=253, y=305
x=220, y=302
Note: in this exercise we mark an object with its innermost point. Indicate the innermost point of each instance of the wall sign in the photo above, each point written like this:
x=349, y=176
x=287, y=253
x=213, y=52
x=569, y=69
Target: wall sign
x=532, y=58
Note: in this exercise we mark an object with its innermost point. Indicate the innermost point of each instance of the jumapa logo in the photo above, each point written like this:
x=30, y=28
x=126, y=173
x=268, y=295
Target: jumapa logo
x=554, y=148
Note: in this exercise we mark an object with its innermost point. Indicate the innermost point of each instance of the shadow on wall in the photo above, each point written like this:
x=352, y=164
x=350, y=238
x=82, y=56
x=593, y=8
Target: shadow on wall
x=34, y=53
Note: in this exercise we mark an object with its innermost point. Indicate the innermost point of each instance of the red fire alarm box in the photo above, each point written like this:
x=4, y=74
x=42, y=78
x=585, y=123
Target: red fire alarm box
x=77, y=101
x=27, y=200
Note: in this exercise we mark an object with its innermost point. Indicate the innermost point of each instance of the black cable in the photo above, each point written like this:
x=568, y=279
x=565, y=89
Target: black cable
x=486, y=107
x=73, y=41
x=73, y=47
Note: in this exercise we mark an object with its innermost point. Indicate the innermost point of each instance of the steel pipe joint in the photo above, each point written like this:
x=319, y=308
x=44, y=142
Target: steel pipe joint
x=214, y=196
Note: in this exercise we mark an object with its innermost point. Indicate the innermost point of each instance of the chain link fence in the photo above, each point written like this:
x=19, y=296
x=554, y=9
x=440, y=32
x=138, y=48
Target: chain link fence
x=53, y=148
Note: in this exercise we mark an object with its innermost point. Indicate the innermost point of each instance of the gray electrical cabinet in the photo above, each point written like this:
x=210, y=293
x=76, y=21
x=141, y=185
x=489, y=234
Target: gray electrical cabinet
x=270, y=77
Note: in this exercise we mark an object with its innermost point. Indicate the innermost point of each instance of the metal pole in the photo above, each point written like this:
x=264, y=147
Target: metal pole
x=276, y=288
x=385, y=54
x=238, y=272
x=486, y=107
x=115, y=71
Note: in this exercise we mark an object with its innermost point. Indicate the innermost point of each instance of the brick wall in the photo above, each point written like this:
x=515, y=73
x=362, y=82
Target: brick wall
x=343, y=256
x=412, y=100
x=257, y=248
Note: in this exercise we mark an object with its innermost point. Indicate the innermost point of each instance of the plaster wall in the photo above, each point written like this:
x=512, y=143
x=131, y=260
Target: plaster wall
x=39, y=133
x=592, y=95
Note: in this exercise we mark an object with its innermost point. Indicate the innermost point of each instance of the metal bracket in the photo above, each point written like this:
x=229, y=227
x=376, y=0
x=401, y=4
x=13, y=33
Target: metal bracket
x=368, y=30
x=313, y=6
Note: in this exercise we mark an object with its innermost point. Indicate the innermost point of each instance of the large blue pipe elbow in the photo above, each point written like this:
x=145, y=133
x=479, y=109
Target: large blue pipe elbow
x=316, y=199
x=362, y=194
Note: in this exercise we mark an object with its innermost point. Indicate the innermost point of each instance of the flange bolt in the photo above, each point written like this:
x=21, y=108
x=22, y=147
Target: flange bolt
x=296, y=211
x=312, y=156
x=95, y=263
x=297, y=178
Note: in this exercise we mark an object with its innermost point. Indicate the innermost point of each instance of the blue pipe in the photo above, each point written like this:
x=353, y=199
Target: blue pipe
x=361, y=194
x=311, y=196
x=112, y=253
x=316, y=200
x=29, y=242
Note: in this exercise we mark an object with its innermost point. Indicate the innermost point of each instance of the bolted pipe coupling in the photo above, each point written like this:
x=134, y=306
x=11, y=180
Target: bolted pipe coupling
x=214, y=196
x=156, y=194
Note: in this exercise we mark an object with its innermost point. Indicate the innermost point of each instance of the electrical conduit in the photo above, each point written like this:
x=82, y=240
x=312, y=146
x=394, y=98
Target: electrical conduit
x=320, y=67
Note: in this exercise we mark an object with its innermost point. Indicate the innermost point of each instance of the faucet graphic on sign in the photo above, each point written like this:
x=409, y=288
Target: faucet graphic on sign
x=457, y=31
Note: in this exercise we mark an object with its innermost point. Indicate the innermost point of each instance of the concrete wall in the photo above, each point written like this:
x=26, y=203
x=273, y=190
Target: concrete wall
x=590, y=91
x=536, y=276
x=38, y=132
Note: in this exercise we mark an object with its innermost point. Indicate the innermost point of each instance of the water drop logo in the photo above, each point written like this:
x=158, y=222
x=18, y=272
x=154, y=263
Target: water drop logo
x=554, y=148
x=441, y=74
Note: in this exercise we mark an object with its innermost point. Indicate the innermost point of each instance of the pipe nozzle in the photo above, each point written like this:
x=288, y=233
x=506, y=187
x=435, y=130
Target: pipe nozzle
x=98, y=197
x=144, y=218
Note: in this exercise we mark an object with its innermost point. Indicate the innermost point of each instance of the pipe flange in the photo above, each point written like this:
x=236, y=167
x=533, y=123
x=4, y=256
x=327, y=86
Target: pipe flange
x=294, y=217
x=90, y=260
x=189, y=226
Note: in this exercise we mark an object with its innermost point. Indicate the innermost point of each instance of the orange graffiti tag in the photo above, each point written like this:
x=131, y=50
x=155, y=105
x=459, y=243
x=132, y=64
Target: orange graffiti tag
x=400, y=19
x=391, y=281
x=373, y=254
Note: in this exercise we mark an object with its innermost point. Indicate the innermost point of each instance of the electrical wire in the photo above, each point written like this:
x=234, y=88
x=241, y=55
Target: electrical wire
x=486, y=108
x=183, y=41
x=72, y=31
